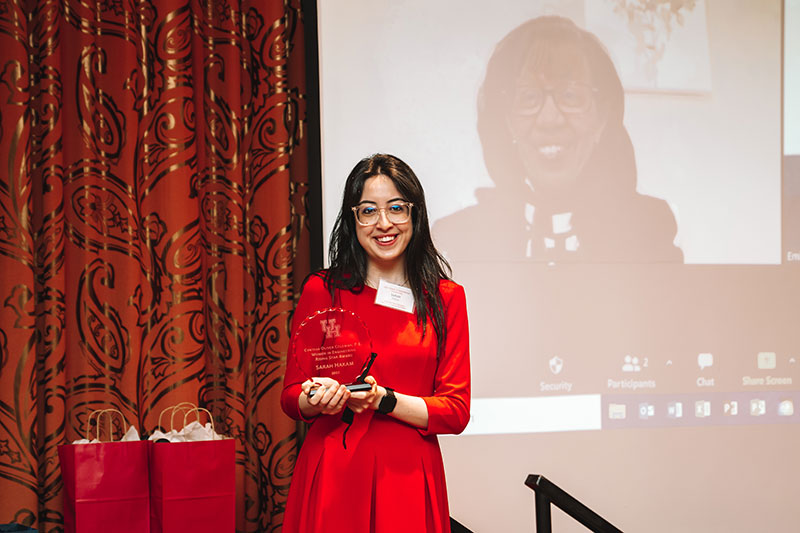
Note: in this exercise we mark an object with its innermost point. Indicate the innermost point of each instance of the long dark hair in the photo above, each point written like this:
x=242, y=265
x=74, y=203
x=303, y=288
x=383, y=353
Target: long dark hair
x=425, y=266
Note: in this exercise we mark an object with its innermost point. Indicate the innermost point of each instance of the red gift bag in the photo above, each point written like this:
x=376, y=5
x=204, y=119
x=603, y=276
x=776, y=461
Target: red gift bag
x=106, y=485
x=193, y=486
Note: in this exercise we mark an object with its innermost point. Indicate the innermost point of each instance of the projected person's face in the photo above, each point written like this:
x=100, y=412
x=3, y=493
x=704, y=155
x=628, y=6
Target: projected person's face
x=554, y=118
x=385, y=241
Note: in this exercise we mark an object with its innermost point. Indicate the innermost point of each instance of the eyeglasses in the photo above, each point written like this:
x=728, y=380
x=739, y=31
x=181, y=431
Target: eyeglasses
x=396, y=213
x=571, y=97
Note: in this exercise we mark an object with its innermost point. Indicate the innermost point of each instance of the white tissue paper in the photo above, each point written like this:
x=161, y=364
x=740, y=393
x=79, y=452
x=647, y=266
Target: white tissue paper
x=194, y=431
x=171, y=435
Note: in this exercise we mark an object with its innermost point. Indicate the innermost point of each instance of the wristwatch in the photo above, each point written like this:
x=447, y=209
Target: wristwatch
x=387, y=402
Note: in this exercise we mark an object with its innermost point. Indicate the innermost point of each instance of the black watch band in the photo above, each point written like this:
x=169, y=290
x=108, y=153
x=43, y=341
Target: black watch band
x=387, y=402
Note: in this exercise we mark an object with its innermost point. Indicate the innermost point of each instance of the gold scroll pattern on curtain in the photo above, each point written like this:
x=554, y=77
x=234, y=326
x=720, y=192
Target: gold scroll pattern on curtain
x=153, y=230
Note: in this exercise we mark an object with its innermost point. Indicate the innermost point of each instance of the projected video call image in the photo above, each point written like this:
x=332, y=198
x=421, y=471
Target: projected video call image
x=620, y=192
x=550, y=120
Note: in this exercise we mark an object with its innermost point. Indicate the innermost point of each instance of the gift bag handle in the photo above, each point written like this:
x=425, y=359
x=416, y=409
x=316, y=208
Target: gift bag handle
x=89, y=422
x=186, y=406
x=210, y=418
x=186, y=410
x=110, y=413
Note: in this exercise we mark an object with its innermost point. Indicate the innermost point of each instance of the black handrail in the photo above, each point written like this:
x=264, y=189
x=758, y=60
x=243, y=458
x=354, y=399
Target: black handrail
x=458, y=527
x=548, y=492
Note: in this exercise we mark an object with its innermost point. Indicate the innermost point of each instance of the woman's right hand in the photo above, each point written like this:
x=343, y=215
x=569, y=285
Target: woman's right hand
x=329, y=397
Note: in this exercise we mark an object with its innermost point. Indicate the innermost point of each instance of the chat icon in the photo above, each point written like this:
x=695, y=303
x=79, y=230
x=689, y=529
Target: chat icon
x=705, y=360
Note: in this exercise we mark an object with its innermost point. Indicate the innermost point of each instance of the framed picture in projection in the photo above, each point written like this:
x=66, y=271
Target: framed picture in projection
x=656, y=46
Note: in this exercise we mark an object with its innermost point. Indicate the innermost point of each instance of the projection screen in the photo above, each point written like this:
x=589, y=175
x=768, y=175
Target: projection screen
x=617, y=186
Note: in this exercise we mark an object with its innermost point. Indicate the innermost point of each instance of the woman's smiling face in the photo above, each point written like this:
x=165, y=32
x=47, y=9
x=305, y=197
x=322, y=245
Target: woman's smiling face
x=384, y=242
x=554, y=117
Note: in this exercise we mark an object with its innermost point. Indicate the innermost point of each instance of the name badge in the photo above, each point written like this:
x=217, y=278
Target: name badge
x=395, y=296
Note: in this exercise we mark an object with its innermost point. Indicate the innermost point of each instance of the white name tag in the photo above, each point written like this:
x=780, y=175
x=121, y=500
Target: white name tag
x=395, y=296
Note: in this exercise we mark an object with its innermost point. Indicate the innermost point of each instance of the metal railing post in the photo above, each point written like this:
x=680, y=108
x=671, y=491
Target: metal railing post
x=543, y=521
x=548, y=493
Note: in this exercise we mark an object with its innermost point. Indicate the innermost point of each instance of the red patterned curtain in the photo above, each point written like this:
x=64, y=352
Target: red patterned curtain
x=152, y=230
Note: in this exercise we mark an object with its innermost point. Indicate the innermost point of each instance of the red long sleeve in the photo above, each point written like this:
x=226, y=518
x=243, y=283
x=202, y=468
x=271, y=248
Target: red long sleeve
x=448, y=407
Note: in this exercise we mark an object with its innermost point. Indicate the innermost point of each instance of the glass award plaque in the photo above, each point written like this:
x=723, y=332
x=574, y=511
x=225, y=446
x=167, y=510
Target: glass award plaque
x=333, y=343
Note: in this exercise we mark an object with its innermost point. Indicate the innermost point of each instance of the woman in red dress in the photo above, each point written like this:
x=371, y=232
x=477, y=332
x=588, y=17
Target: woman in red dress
x=383, y=472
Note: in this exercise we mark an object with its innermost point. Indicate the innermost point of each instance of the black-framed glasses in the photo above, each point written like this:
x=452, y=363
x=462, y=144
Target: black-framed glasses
x=569, y=97
x=396, y=213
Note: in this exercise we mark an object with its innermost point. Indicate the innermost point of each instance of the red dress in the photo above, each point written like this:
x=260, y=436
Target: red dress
x=391, y=476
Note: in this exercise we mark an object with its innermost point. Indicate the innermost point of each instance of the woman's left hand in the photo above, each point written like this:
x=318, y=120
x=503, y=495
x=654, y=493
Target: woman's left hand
x=362, y=400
